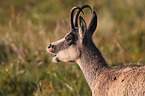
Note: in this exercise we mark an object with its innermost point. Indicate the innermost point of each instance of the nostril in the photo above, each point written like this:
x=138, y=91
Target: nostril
x=49, y=46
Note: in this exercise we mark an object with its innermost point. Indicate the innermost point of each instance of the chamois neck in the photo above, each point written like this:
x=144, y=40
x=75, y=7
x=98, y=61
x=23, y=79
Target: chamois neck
x=91, y=63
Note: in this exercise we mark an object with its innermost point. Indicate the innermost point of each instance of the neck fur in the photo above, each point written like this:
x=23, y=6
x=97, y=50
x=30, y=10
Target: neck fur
x=91, y=62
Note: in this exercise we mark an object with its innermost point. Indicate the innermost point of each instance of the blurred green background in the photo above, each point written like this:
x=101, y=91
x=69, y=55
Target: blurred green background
x=28, y=26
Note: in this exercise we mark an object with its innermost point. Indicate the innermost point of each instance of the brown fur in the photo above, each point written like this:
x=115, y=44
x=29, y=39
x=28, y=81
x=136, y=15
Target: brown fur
x=77, y=46
x=120, y=81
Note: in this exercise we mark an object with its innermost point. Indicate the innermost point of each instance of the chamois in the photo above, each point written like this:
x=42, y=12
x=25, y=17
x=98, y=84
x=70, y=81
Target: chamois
x=103, y=80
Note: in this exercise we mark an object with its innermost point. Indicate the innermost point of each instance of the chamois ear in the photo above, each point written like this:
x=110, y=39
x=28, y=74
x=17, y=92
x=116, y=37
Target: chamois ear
x=82, y=27
x=93, y=24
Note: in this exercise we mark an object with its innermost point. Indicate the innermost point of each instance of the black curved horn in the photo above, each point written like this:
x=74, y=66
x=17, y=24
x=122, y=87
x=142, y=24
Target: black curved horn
x=78, y=12
x=71, y=16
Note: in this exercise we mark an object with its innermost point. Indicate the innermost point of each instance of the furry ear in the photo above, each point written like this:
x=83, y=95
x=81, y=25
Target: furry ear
x=82, y=27
x=93, y=24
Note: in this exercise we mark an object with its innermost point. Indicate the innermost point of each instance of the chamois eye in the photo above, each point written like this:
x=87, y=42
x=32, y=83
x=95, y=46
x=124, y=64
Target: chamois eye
x=67, y=40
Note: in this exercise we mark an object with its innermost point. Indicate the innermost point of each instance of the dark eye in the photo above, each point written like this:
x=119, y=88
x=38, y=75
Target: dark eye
x=68, y=40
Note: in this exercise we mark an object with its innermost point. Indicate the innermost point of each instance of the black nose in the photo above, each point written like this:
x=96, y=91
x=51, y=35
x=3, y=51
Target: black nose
x=50, y=46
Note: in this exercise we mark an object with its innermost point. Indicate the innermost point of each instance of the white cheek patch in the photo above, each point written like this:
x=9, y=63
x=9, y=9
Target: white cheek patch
x=69, y=54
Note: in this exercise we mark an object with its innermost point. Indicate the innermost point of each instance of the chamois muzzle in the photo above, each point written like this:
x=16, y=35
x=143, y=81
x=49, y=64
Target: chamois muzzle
x=50, y=48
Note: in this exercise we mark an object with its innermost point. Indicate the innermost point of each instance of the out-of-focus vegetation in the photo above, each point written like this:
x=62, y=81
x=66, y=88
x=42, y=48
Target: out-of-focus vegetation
x=28, y=26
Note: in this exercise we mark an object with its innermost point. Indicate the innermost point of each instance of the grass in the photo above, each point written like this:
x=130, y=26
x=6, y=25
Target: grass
x=28, y=26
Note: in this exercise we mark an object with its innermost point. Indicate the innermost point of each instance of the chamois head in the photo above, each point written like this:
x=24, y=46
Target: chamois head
x=69, y=47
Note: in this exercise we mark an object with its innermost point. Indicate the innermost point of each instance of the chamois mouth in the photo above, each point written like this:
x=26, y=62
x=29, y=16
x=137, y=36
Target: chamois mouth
x=55, y=59
x=54, y=55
